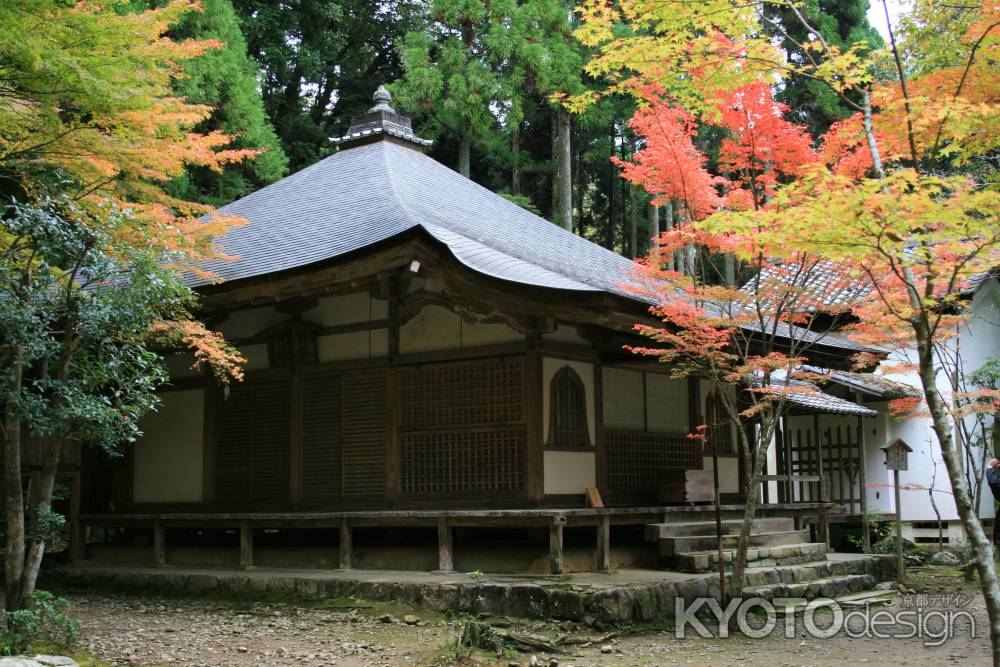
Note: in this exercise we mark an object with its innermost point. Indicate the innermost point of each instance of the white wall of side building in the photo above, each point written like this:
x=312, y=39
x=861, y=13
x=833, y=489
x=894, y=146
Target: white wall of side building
x=978, y=341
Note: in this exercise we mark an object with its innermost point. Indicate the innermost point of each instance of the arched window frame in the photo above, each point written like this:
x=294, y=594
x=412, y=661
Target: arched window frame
x=568, y=424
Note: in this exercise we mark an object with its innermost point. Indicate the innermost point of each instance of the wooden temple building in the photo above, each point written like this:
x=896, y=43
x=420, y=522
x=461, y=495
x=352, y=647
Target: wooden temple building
x=434, y=375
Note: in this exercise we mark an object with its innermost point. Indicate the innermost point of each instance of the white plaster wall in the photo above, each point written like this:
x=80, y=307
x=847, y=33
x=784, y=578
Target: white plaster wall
x=168, y=457
x=569, y=472
x=979, y=340
x=623, y=400
x=347, y=309
x=353, y=345
x=246, y=323
x=256, y=356
x=181, y=366
x=667, y=404
x=550, y=366
x=437, y=328
x=565, y=333
x=729, y=474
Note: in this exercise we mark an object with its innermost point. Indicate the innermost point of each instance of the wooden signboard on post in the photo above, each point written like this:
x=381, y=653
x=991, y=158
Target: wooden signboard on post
x=896, y=459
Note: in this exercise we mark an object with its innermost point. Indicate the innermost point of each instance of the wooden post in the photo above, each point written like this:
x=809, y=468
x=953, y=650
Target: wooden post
x=77, y=546
x=159, y=545
x=534, y=421
x=824, y=527
x=900, y=566
x=445, y=555
x=865, y=528
x=246, y=545
x=604, y=543
x=556, y=544
x=824, y=487
x=346, y=545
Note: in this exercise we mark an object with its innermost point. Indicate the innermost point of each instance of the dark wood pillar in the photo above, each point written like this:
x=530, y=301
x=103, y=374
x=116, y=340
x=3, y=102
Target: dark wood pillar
x=604, y=543
x=535, y=442
x=159, y=545
x=600, y=442
x=346, y=545
x=556, y=544
x=208, y=443
x=446, y=561
x=77, y=536
x=246, y=545
x=865, y=528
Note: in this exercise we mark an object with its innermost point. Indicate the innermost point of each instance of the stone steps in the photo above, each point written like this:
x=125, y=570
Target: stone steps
x=771, y=556
x=704, y=543
x=830, y=587
x=660, y=531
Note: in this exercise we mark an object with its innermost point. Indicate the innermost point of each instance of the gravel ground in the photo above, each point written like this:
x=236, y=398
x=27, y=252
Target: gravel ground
x=151, y=631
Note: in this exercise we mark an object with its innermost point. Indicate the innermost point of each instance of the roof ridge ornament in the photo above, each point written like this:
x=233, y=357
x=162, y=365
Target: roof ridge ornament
x=380, y=122
x=382, y=98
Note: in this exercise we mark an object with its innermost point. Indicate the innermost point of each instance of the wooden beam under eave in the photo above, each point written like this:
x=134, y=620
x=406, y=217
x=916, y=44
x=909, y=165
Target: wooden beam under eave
x=362, y=267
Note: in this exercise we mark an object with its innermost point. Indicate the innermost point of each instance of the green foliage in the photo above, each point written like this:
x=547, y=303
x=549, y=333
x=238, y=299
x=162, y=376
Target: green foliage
x=321, y=62
x=842, y=23
x=225, y=79
x=879, y=530
x=76, y=310
x=522, y=201
x=46, y=619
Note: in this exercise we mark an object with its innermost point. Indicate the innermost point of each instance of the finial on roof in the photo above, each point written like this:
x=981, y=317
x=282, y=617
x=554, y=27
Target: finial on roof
x=382, y=97
x=380, y=122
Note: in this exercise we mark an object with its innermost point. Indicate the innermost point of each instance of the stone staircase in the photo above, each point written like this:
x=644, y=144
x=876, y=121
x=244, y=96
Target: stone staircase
x=693, y=546
x=782, y=562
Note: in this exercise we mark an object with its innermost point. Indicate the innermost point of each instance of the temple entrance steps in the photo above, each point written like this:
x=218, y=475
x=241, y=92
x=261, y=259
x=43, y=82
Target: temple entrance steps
x=822, y=579
x=694, y=547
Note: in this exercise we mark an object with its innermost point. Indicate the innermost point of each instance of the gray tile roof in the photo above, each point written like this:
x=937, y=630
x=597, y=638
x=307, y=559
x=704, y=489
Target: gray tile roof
x=810, y=398
x=868, y=383
x=821, y=283
x=373, y=192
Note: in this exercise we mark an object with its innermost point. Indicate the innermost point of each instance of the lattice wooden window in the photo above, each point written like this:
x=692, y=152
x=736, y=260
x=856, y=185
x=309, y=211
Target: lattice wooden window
x=322, y=437
x=635, y=459
x=462, y=428
x=291, y=343
x=461, y=394
x=568, y=418
x=462, y=461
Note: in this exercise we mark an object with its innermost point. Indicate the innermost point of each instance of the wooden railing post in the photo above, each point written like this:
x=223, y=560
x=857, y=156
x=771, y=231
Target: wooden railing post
x=604, y=543
x=346, y=545
x=246, y=545
x=556, y=544
x=159, y=545
x=446, y=561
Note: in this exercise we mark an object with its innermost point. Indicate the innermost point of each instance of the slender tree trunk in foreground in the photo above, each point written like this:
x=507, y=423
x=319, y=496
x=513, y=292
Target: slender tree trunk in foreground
x=750, y=509
x=43, y=483
x=13, y=503
x=982, y=549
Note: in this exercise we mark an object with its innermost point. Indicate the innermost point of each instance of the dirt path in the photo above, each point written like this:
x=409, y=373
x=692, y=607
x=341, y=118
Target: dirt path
x=152, y=631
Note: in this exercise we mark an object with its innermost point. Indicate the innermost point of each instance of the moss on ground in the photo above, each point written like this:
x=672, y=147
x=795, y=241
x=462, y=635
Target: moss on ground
x=83, y=658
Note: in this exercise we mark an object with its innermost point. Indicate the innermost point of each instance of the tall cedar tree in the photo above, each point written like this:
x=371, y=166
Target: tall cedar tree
x=321, y=61
x=226, y=80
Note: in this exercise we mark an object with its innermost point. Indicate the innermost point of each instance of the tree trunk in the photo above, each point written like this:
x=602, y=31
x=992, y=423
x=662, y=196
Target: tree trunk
x=41, y=501
x=763, y=440
x=653, y=216
x=730, y=269
x=564, y=214
x=13, y=499
x=982, y=549
x=633, y=224
x=515, y=173
x=668, y=224
x=464, y=150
